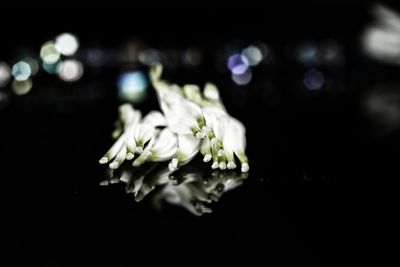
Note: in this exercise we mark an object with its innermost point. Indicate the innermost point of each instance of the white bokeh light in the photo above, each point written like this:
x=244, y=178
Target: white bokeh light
x=21, y=71
x=70, y=70
x=49, y=53
x=33, y=64
x=67, y=44
x=5, y=73
x=244, y=78
x=253, y=55
x=21, y=87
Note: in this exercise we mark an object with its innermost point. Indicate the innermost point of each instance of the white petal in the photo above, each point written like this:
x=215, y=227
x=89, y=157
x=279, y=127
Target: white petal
x=215, y=119
x=164, y=147
x=130, y=141
x=182, y=127
x=155, y=72
x=119, y=159
x=192, y=92
x=215, y=165
x=245, y=167
x=188, y=147
x=130, y=155
x=236, y=135
x=207, y=157
x=168, y=95
x=211, y=91
x=191, y=108
x=231, y=165
x=155, y=118
x=112, y=152
x=222, y=165
x=143, y=133
x=235, y=142
x=125, y=111
x=128, y=115
x=205, y=147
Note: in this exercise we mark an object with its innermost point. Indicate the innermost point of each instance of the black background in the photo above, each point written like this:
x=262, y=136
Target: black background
x=311, y=153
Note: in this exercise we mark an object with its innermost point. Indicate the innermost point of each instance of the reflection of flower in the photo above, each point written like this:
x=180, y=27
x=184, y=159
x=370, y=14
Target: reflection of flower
x=192, y=186
x=191, y=121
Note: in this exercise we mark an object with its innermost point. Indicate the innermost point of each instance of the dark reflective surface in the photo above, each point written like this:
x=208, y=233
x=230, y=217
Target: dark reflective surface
x=312, y=151
x=193, y=187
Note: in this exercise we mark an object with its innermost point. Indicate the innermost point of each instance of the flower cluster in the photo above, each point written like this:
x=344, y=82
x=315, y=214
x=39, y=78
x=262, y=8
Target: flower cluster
x=191, y=121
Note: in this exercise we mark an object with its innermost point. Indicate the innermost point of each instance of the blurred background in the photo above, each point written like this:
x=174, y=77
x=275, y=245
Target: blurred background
x=316, y=86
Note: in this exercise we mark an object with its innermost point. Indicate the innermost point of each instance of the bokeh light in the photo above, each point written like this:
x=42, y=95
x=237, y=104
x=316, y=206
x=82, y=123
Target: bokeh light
x=130, y=52
x=70, y=70
x=150, y=56
x=381, y=105
x=5, y=73
x=33, y=64
x=4, y=99
x=314, y=79
x=307, y=53
x=49, y=53
x=192, y=57
x=381, y=40
x=67, y=44
x=21, y=71
x=52, y=68
x=266, y=52
x=244, y=78
x=238, y=64
x=132, y=86
x=384, y=108
x=253, y=55
x=95, y=57
x=328, y=50
x=21, y=87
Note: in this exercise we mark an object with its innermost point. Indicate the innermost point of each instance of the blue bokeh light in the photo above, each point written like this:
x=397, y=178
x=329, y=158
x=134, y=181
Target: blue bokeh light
x=132, y=86
x=314, y=79
x=238, y=64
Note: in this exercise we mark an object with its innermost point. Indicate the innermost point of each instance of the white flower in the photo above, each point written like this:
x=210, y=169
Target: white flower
x=113, y=151
x=142, y=134
x=119, y=159
x=205, y=149
x=216, y=120
x=234, y=141
x=188, y=147
x=193, y=93
x=162, y=147
x=130, y=141
x=191, y=121
x=184, y=115
x=139, y=133
x=128, y=115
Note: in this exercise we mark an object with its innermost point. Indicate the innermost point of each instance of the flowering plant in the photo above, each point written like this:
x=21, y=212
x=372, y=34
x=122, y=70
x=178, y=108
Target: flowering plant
x=191, y=122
